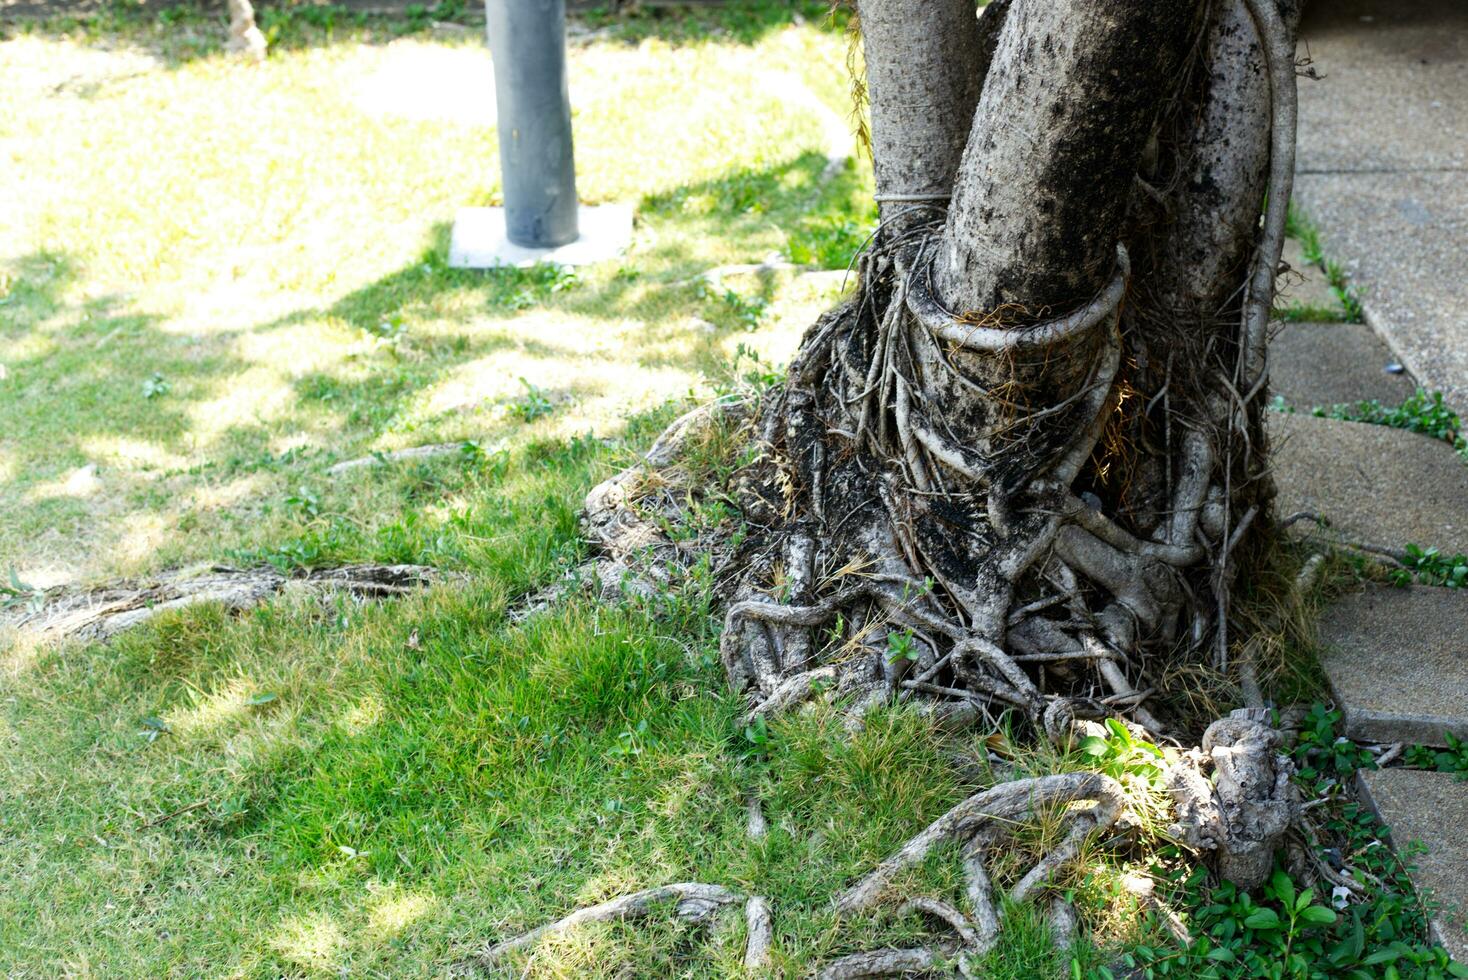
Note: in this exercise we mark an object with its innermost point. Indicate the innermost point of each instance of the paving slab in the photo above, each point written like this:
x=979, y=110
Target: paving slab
x=1305, y=285
x=1327, y=364
x=1430, y=808
x=1402, y=239
x=1397, y=663
x=1382, y=170
x=1376, y=486
x=1394, y=88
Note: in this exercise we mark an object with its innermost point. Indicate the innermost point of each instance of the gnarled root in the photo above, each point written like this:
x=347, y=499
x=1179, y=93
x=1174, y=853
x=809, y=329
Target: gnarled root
x=979, y=823
x=692, y=901
x=1242, y=816
x=626, y=514
x=101, y=613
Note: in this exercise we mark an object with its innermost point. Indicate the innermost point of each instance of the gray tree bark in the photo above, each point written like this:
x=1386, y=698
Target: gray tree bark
x=1067, y=107
x=925, y=66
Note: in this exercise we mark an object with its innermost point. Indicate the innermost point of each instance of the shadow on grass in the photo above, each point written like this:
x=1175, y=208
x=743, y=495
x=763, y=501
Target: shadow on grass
x=444, y=352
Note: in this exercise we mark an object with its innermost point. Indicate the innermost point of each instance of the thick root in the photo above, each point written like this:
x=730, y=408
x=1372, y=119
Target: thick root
x=100, y=614
x=692, y=901
x=986, y=816
x=1244, y=813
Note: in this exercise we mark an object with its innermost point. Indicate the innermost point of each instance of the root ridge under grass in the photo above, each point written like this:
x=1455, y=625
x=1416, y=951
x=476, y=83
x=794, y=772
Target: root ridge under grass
x=101, y=613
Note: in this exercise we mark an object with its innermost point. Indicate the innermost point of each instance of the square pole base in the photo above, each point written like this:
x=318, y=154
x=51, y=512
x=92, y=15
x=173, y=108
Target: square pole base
x=479, y=240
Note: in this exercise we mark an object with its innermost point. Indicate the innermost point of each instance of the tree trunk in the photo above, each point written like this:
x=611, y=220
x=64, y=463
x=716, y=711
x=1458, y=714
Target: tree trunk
x=925, y=64
x=1069, y=102
x=1017, y=472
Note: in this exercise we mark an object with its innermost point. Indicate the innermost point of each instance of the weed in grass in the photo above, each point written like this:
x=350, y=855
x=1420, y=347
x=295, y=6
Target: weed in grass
x=155, y=386
x=532, y=405
x=18, y=593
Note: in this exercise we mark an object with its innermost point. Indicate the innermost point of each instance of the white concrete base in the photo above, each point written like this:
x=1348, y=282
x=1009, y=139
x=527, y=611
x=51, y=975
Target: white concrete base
x=479, y=240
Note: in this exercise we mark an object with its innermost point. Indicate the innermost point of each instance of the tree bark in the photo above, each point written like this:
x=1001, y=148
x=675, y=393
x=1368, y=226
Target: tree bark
x=1219, y=168
x=1067, y=107
x=925, y=66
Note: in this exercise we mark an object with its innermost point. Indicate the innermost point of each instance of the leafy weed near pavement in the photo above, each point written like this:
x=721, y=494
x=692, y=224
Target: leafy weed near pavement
x=1287, y=932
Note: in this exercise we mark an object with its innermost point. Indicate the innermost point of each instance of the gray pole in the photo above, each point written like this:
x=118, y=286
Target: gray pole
x=527, y=39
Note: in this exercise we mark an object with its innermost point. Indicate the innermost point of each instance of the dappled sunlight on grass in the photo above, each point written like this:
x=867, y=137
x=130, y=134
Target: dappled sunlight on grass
x=311, y=941
x=357, y=719
x=392, y=909
x=260, y=285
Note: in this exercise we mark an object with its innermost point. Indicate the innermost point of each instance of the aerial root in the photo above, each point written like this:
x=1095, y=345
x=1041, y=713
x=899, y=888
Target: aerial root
x=692, y=901
x=101, y=613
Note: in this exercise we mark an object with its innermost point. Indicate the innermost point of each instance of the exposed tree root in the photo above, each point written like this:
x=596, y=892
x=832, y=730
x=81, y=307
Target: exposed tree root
x=759, y=930
x=102, y=613
x=1013, y=511
x=692, y=901
x=978, y=825
x=1244, y=812
x=399, y=456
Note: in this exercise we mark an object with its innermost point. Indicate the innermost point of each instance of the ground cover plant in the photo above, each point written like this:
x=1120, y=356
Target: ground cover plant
x=335, y=786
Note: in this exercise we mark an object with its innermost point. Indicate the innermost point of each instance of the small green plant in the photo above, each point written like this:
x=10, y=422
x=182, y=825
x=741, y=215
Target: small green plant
x=1299, y=227
x=1423, y=412
x=629, y=744
x=748, y=311
x=1121, y=755
x=757, y=738
x=900, y=647
x=18, y=593
x=1429, y=566
x=156, y=386
x=532, y=405
x=1453, y=759
x=306, y=502
x=1321, y=753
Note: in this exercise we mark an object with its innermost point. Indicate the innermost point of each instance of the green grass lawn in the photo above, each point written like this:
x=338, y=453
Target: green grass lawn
x=215, y=279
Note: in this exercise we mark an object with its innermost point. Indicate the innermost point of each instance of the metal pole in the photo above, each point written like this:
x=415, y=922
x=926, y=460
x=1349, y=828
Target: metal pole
x=527, y=40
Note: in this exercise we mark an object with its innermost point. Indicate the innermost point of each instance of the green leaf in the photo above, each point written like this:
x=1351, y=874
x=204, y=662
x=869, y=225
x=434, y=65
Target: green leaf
x=1094, y=745
x=260, y=699
x=1283, y=889
x=1263, y=919
x=1222, y=955
x=1387, y=955
x=1318, y=915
